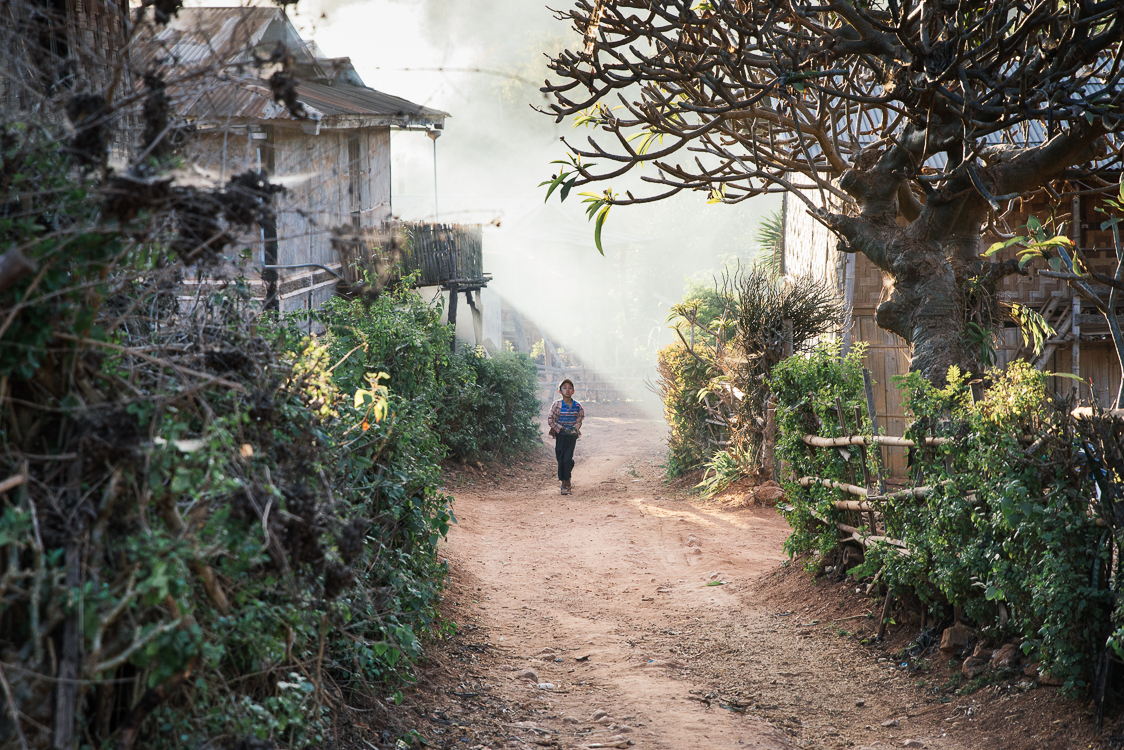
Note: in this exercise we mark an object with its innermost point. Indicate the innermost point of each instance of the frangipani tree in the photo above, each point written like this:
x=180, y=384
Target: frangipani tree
x=906, y=128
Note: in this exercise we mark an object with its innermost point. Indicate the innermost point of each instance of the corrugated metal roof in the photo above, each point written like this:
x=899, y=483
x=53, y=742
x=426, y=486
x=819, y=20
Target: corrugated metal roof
x=345, y=99
x=224, y=38
x=220, y=104
x=205, y=36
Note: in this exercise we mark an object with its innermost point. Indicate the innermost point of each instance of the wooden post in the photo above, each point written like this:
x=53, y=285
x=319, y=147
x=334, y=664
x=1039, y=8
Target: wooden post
x=477, y=316
x=769, y=441
x=848, y=300
x=866, y=469
x=1075, y=352
x=868, y=385
x=453, y=291
x=786, y=327
x=847, y=432
x=882, y=620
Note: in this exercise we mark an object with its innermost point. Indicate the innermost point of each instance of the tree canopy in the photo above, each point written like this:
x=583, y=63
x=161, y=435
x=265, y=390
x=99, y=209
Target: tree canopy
x=907, y=129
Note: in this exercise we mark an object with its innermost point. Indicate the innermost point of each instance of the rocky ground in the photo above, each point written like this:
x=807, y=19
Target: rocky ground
x=631, y=614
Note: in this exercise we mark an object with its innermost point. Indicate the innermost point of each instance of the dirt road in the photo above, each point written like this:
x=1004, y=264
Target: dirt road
x=621, y=616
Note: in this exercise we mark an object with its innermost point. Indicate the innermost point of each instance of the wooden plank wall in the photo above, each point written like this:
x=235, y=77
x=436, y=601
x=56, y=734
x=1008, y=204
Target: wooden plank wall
x=308, y=210
x=376, y=184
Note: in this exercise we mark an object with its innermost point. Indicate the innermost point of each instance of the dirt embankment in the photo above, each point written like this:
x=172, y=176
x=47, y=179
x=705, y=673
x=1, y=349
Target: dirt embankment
x=627, y=614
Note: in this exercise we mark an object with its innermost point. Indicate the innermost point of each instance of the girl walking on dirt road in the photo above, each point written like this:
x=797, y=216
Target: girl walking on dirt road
x=565, y=422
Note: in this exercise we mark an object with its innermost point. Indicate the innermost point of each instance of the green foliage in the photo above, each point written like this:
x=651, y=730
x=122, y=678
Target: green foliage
x=715, y=404
x=683, y=380
x=1006, y=522
x=239, y=521
x=723, y=469
x=770, y=242
x=707, y=308
x=807, y=387
x=488, y=405
x=476, y=404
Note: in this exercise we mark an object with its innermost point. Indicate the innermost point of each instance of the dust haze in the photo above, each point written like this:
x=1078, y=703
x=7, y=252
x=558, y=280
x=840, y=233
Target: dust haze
x=482, y=61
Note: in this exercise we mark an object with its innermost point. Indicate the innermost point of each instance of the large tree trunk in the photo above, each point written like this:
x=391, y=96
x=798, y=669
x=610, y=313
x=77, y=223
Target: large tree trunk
x=939, y=283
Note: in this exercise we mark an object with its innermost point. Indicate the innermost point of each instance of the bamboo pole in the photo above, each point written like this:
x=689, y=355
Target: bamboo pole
x=868, y=539
x=885, y=615
x=12, y=482
x=868, y=387
x=848, y=488
x=861, y=506
x=916, y=492
x=841, y=442
x=1087, y=411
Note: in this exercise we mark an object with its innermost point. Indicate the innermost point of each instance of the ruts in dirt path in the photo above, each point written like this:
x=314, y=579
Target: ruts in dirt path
x=620, y=616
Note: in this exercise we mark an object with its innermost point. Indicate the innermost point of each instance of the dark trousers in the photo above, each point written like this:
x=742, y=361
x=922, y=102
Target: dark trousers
x=564, y=452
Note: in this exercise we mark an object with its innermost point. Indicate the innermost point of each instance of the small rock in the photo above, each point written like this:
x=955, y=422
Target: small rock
x=913, y=743
x=1006, y=657
x=695, y=551
x=506, y=668
x=570, y=720
x=546, y=686
x=956, y=637
x=860, y=703
x=714, y=575
x=527, y=674
x=693, y=542
x=624, y=728
x=982, y=652
x=548, y=651
x=1045, y=678
x=768, y=493
x=891, y=722
x=1031, y=670
x=973, y=667
x=598, y=715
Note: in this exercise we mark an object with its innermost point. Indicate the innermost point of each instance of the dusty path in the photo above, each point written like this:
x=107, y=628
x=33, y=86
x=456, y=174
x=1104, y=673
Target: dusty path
x=619, y=616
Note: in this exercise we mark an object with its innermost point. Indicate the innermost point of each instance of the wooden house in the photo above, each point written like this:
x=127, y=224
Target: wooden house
x=336, y=159
x=1081, y=346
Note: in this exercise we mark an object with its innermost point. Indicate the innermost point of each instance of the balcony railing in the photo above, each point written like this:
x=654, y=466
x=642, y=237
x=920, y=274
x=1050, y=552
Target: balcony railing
x=445, y=255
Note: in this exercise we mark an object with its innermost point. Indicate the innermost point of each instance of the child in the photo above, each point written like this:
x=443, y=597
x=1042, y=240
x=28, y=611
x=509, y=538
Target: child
x=565, y=422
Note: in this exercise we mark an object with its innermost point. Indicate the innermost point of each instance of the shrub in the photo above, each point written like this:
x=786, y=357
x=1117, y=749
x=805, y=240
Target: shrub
x=692, y=439
x=1007, y=522
x=716, y=403
x=476, y=405
x=488, y=405
x=220, y=528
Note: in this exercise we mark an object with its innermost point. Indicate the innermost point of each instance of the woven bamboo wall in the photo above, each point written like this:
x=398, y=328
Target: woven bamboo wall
x=810, y=248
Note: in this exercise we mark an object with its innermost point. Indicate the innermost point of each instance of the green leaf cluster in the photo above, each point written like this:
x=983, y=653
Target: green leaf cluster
x=1006, y=524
